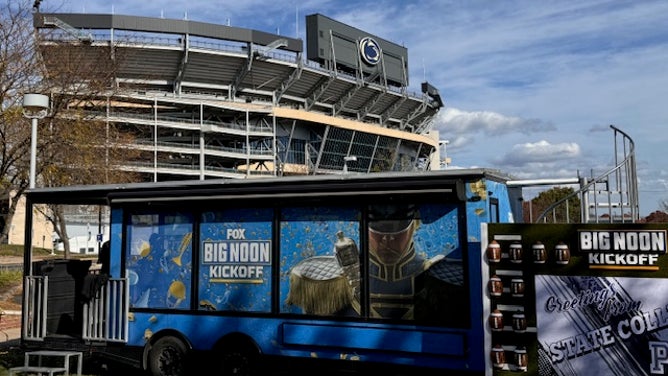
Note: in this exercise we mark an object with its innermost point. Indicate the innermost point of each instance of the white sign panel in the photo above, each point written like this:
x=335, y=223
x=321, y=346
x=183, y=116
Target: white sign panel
x=602, y=325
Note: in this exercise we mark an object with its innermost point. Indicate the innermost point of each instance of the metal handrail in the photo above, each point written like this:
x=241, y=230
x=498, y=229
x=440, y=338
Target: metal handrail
x=105, y=317
x=631, y=182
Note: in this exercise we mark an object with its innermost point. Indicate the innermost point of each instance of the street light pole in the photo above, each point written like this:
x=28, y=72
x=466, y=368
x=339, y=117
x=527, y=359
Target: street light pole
x=350, y=158
x=35, y=106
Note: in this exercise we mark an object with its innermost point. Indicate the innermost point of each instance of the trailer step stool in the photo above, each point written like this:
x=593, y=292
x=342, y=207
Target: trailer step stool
x=39, y=369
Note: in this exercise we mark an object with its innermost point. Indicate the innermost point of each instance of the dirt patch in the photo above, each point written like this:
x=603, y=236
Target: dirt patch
x=11, y=260
x=9, y=321
x=10, y=298
x=10, y=307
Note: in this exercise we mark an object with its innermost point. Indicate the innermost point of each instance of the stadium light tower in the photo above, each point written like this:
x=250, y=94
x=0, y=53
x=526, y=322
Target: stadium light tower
x=35, y=106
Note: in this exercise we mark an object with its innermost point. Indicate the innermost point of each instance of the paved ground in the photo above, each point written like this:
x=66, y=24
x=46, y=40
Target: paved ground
x=10, y=326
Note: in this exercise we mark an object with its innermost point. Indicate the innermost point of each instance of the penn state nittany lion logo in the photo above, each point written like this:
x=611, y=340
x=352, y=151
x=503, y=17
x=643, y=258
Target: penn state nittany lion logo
x=370, y=50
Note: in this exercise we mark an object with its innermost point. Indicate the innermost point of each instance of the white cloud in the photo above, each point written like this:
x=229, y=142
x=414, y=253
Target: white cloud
x=457, y=122
x=541, y=152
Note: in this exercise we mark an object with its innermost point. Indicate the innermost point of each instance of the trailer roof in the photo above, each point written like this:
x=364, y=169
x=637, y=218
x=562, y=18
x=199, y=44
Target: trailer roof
x=276, y=187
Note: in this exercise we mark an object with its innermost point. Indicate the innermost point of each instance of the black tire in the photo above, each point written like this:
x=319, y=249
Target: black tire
x=239, y=360
x=168, y=357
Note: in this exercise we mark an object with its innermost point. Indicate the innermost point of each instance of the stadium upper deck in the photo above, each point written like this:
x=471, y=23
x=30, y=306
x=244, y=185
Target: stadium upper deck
x=206, y=100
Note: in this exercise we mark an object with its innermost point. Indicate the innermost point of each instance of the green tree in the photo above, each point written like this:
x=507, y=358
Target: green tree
x=567, y=212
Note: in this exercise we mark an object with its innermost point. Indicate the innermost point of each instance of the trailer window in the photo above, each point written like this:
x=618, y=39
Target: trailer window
x=235, y=260
x=159, y=259
x=320, y=265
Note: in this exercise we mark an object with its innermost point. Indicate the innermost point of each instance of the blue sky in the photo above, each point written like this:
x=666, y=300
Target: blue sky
x=530, y=87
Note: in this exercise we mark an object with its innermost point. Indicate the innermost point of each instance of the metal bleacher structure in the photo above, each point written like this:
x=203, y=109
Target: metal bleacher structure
x=213, y=101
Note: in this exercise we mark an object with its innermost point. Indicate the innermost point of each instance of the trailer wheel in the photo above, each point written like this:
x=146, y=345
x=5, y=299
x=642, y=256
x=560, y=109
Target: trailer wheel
x=238, y=359
x=168, y=357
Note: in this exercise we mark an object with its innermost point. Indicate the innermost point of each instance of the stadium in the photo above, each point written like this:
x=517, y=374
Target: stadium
x=207, y=101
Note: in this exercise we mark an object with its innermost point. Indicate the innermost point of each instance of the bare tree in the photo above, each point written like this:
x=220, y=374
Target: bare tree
x=79, y=148
x=20, y=71
x=74, y=147
x=663, y=205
